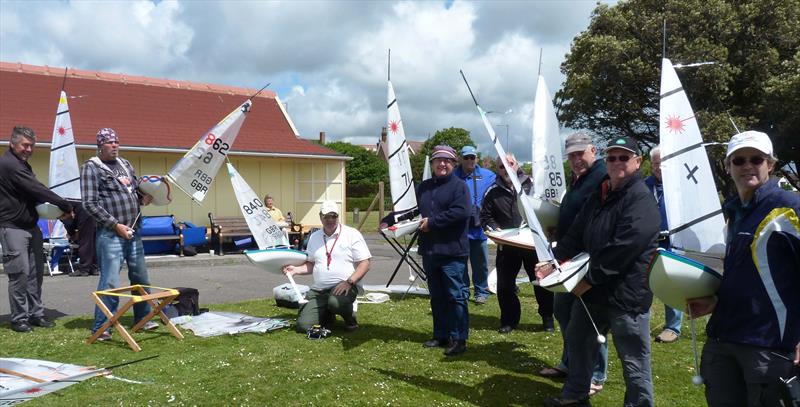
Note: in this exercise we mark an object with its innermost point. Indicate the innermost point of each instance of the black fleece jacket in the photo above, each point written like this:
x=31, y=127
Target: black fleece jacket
x=20, y=192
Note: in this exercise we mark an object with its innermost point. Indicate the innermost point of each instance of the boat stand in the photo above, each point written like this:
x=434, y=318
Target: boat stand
x=137, y=294
x=404, y=257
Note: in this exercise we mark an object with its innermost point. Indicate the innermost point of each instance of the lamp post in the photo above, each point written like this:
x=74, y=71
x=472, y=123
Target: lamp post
x=506, y=126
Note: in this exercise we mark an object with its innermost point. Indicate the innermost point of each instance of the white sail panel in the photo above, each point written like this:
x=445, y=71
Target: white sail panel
x=548, y=169
x=196, y=170
x=400, y=179
x=426, y=171
x=264, y=229
x=693, y=208
x=64, y=175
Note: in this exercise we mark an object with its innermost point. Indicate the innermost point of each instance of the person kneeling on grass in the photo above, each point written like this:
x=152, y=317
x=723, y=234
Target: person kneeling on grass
x=338, y=258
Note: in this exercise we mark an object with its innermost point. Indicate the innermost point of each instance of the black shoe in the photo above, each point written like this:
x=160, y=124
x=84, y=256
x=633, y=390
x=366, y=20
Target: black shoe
x=350, y=324
x=79, y=273
x=435, y=343
x=505, y=329
x=41, y=322
x=21, y=327
x=328, y=321
x=94, y=272
x=559, y=401
x=548, y=325
x=456, y=347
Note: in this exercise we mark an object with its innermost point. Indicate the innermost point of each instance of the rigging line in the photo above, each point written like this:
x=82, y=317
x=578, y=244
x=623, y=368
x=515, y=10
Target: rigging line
x=259, y=91
x=540, y=62
x=64, y=81
x=389, y=67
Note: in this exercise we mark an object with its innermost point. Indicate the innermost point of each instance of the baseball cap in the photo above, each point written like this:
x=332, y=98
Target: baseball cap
x=625, y=143
x=329, y=207
x=469, y=150
x=755, y=139
x=577, y=142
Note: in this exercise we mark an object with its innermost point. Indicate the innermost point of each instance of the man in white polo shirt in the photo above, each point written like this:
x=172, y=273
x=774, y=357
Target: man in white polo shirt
x=338, y=258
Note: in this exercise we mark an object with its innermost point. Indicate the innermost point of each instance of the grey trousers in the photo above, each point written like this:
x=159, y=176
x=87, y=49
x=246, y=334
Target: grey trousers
x=743, y=375
x=23, y=261
x=631, y=332
x=322, y=305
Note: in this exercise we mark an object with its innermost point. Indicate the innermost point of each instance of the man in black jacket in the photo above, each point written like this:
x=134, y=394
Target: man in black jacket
x=21, y=238
x=615, y=227
x=500, y=211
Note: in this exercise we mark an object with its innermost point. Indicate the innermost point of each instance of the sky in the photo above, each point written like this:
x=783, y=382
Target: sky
x=326, y=60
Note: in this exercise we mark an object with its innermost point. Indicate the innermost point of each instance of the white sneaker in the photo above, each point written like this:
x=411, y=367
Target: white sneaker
x=149, y=326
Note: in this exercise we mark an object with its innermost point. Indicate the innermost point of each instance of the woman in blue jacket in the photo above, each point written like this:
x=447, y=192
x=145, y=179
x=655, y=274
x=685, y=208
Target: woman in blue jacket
x=755, y=316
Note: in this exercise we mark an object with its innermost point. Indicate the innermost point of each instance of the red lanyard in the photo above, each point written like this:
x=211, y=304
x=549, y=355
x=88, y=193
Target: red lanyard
x=325, y=241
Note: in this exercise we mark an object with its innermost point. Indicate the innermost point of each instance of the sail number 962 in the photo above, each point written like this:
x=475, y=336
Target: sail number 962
x=216, y=144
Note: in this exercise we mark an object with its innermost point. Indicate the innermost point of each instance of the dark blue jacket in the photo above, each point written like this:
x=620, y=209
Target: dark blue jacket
x=577, y=194
x=481, y=178
x=754, y=303
x=657, y=189
x=445, y=201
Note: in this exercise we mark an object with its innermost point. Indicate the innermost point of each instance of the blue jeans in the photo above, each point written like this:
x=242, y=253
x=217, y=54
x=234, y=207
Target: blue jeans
x=562, y=309
x=672, y=319
x=631, y=333
x=479, y=261
x=448, y=284
x=111, y=251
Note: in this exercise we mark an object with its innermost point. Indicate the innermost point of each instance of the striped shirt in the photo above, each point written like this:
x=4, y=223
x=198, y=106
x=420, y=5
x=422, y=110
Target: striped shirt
x=110, y=195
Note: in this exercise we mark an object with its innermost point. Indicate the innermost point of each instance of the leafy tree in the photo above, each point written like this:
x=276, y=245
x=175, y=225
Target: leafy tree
x=613, y=71
x=454, y=137
x=364, y=169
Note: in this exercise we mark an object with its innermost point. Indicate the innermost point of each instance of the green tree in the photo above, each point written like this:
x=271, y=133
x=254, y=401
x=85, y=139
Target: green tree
x=454, y=137
x=613, y=71
x=364, y=169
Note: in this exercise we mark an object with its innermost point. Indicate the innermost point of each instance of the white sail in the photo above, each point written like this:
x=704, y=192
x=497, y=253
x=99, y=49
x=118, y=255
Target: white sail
x=26, y=379
x=693, y=209
x=404, y=199
x=426, y=171
x=264, y=229
x=64, y=176
x=196, y=170
x=548, y=169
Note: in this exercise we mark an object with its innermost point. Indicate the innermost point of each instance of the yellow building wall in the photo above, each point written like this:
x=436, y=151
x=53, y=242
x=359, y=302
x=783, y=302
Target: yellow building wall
x=299, y=185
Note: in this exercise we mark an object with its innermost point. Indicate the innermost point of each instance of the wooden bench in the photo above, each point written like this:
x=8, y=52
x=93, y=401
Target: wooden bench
x=223, y=227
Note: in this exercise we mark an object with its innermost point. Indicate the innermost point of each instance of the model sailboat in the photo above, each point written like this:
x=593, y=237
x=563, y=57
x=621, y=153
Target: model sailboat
x=273, y=245
x=567, y=275
x=401, y=182
x=694, y=215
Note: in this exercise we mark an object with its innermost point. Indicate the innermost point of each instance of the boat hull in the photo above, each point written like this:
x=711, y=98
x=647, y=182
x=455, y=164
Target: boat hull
x=517, y=237
x=572, y=271
x=49, y=211
x=273, y=260
x=157, y=187
x=546, y=211
x=402, y=228
x=675, y=279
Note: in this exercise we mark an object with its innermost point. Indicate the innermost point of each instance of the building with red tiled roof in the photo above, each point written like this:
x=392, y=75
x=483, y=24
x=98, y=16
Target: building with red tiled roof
x=159, y=120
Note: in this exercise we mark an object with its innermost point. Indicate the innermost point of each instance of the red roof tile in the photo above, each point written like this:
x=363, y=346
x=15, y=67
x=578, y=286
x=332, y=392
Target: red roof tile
x=145, y=112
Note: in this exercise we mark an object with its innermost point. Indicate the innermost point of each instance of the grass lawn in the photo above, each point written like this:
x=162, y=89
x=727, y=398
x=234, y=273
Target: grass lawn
x=383, y=363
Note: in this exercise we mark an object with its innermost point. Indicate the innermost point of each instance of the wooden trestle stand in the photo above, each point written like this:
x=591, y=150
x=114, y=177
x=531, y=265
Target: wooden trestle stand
x=135, y=294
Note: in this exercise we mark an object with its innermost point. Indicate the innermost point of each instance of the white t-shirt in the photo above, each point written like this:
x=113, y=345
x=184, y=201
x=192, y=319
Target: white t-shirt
x=346, y=247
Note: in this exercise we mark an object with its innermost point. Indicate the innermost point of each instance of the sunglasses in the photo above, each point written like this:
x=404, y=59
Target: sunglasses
x=621, y=158
x=755, y=160
x=468, y=157
x=334, y=216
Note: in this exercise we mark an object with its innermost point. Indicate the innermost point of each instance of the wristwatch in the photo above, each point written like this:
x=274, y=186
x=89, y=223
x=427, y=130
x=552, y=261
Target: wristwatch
x=350, y=281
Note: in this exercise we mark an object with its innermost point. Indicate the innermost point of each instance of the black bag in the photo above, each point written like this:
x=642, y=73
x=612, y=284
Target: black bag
x=475, y=217
x=189, y=251
x=187, y=302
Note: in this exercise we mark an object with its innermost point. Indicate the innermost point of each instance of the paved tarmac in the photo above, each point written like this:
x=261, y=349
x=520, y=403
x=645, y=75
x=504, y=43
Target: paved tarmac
x=220, y=279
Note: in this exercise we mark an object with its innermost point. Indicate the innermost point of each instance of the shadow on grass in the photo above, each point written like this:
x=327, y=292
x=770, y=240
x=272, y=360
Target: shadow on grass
x=496, y=390
x=49, y=313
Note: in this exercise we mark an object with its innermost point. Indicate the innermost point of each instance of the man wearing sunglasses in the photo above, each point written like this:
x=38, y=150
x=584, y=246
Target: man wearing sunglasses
x=338, y=257
x=615, y=226
x=478, y=180
x=755, y=316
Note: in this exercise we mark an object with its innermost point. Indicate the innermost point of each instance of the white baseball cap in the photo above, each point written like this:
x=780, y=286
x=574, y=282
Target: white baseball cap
x=755, y=139
x=329, y=207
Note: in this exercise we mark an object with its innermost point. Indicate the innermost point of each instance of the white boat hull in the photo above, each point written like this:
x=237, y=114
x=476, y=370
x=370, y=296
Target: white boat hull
x=397, y=289
x=157, y=187
x=517, y=237
x=402, y=228
x=547, y=212
x=572, y=271
x=675, y=279
x=49, y=211
x=273, y=260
